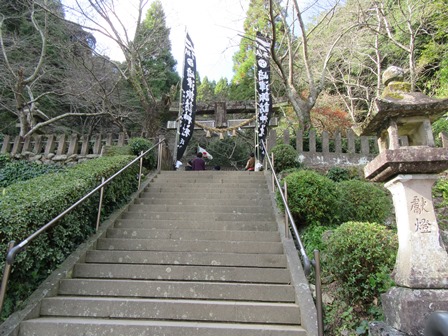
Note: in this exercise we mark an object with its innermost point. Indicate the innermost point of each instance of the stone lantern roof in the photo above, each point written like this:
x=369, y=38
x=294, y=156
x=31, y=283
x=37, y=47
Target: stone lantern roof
x=401, y=120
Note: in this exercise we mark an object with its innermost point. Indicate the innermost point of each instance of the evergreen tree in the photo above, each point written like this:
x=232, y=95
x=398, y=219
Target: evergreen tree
x=206, y=90
x=158, y=62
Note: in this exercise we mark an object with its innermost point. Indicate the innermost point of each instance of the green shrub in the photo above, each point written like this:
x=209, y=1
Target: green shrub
x=312, y=198
x=27, y=206
x=364, y=201
x=118, y=150
x=285, y=157
x=4, y=159
x=311, y=236
x=15, y=171
x=338, y=174
x=360, y=256
x=139, y=145
x=440, y=196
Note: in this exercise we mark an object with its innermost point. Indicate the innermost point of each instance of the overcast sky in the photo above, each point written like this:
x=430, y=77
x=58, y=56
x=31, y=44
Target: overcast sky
x=213, y=25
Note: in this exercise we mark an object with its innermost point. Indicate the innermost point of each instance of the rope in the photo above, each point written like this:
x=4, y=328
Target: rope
x=222, y=130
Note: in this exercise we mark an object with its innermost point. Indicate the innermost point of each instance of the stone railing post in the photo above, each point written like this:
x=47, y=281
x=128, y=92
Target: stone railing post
x=299, y=140
x=6, y=144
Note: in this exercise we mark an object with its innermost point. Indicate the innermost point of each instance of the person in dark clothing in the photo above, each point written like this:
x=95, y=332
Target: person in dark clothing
x=198, y=163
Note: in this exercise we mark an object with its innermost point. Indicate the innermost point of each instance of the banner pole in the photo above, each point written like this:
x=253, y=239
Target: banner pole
x=176, y=141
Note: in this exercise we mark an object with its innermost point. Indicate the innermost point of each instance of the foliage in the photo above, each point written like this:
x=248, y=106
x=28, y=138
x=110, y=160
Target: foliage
x=229, y=152
x=4, y=159
x=338, y=174
x=139, y=145
x=364, y=201
x=311, y=236
x=440, y=125
x=159, y=64
x=285, y=157
x=360, y=256
x=15, y=171
x=312, y=198
x=26, y=206
x=440, y=195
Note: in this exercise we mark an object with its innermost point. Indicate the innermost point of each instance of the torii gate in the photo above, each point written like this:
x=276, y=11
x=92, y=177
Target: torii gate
x=221, y=124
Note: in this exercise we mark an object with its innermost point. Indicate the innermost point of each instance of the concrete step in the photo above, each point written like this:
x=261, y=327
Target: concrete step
x=199, y=209
x=182, y=273
x=54, y=326
x=195, y=188
x=210, y=176
x=219, y=194
x=261, y=184
x=189, y=258
x=186, y=310
x=225, y=216
x=176, y=199
x=189, y=245
x=177, y=290
x=202, y=224
x=260, y=236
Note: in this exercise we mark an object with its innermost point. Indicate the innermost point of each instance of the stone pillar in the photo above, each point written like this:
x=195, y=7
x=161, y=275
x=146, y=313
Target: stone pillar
x=325, y=142
x=421, y=269
x=422, y=261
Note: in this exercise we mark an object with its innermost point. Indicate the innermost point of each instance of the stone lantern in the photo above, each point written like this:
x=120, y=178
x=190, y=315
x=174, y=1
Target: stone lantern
x=408, y=163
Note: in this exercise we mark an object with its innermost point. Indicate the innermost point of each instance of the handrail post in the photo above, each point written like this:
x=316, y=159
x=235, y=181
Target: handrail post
x=100, y=205
x=140, y=171
x=159, y=156
x=272, y=172
x=286, y=212
x=320, y=321
x=6, y=273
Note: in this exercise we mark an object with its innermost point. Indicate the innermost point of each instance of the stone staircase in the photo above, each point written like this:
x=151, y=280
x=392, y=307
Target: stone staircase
x=197, y=253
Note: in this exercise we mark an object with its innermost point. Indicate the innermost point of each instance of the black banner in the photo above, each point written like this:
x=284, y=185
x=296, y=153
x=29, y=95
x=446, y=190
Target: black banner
x=188, y=98
x=263, y=77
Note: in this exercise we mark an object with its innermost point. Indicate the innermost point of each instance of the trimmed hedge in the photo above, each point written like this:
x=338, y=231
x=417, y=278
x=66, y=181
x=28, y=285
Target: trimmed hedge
x=26, y=206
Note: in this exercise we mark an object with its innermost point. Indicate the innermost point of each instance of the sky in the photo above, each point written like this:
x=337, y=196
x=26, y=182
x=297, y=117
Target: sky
x=215, y=27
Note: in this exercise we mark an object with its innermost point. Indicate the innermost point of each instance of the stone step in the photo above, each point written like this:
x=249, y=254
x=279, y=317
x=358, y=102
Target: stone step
x=221, y=235
x=54, y=326
x=199, y=209
x=189, y=245
x=205, y=195
x=209, y=184
x=182, y=273
x=177, y=289
x=211, y=174
x=187, y=258
x=175, y=199
x=239, y=217
x=167, y=309
x=186, y=223
x=192, y=189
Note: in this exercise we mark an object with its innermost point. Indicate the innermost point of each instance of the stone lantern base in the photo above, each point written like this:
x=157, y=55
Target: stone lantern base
x=407, y=309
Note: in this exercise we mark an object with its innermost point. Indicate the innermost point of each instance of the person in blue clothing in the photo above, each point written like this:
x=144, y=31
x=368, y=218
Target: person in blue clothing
x=198, y=163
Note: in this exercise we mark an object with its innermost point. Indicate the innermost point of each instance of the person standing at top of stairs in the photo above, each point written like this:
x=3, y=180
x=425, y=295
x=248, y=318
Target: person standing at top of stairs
x=198, y=163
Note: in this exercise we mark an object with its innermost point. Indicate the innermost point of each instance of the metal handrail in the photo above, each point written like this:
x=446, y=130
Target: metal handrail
x=14, y=250
x=437, y=324
x=305, y=259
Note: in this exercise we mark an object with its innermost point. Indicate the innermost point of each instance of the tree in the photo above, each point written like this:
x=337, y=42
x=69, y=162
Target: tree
x=104, y=17
x=39, y=53
x=206, y=90
x=292, y=53
x=222, y=90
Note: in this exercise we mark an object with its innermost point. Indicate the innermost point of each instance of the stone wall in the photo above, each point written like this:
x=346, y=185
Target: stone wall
x=61, y=148
x=325, y=151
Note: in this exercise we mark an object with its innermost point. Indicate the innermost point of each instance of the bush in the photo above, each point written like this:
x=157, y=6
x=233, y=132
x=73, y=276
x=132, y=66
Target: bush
x=364, y=202
x=311, y=237
x=4, y=159
x=339, y=174
x=312, y=198
x=285, y=157
x=15, y=171
x=360, y=256
x=440, y=196
x=139, y=145
x=27, y=206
